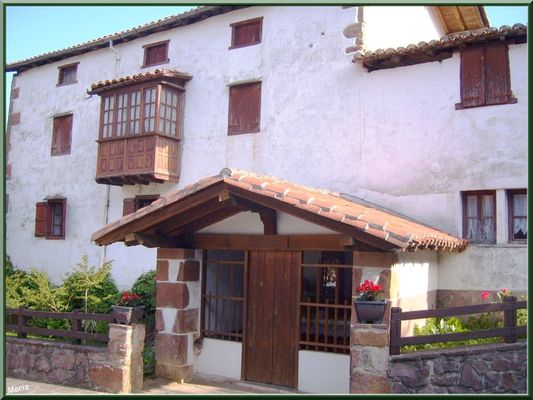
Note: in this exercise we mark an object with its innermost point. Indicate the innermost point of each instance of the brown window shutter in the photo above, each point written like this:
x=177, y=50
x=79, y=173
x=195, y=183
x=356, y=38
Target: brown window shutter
x=128, y=207
x=472, y=77
x=61, y=135
x=64, y=228
x=244, y=108
x=40, y=219
x=497, y=79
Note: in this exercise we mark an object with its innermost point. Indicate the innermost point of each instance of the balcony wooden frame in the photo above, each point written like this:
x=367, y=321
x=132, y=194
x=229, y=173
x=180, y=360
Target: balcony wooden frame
x=144, y=157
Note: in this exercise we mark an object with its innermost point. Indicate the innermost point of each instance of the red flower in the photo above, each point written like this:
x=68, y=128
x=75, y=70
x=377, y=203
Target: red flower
x=485, y=295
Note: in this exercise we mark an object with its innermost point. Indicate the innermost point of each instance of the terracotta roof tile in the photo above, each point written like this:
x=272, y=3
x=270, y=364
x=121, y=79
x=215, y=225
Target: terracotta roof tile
x=197, y=14
x=137, y=78
x=437, y=49
x=400, y=231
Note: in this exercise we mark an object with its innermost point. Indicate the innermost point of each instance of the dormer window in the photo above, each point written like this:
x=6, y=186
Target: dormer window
x=141, y=122
x=155, y=54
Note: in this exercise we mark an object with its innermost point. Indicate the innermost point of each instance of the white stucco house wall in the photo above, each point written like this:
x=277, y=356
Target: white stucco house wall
x=337, y=112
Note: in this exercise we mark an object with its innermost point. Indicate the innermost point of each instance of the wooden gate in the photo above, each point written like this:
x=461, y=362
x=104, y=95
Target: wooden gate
x=271, y=338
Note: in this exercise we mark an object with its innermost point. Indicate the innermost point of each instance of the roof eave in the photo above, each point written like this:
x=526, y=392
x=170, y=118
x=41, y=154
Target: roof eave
x=186, y=18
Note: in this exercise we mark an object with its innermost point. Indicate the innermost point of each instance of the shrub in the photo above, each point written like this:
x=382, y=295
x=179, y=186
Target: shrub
x=145, y=286
x=440, y=326
x=89, y=288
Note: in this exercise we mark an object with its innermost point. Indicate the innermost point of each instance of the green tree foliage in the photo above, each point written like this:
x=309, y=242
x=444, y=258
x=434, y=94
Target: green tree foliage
x=145, y=286
x=90, y=289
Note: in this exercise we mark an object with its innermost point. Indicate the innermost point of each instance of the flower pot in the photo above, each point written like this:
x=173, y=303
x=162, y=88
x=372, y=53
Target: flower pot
x=370, y=312
x=127, y=315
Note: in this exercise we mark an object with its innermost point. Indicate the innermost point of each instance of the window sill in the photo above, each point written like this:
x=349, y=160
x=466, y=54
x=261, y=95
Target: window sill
x=66, y=84
x=512, y=100
x=243, y=133
x=243, y=45
x=154, y=65
x=60, y=154
x=500, y=245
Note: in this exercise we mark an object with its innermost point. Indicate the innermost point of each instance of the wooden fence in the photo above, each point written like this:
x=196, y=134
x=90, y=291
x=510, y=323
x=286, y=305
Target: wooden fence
x=509, y=332
x=75, y=317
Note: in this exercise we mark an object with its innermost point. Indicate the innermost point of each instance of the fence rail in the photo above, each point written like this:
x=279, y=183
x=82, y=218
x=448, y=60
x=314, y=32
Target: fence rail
x=76, y=333
x=509, y=332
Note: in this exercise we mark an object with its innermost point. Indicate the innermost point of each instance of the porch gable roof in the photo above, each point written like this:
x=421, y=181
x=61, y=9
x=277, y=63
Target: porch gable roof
x=213, y=199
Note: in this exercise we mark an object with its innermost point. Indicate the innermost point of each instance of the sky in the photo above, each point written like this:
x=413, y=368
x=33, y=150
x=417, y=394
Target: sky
x=34, y=30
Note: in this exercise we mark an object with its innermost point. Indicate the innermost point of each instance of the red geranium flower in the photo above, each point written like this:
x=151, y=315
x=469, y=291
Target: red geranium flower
x=485, y=295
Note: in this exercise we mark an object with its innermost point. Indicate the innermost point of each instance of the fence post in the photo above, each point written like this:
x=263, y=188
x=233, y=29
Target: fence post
x=76, y=325
x=395, y=330
x=509, y=319
x=21, y=323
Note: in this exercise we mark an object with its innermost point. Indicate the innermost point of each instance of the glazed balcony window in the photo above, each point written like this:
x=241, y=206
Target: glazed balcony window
x=141, y=122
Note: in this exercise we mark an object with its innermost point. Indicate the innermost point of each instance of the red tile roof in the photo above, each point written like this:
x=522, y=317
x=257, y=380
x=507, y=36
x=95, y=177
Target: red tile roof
x=137, y=78
x=402, y=232
x=186, y=18
x=438, y=49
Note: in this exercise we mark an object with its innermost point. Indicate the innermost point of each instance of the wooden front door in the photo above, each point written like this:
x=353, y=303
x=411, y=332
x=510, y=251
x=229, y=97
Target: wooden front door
x=271, y=335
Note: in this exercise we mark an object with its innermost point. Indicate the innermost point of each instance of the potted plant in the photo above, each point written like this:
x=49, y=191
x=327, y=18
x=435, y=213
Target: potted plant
x=370, y=305
x=129, y=308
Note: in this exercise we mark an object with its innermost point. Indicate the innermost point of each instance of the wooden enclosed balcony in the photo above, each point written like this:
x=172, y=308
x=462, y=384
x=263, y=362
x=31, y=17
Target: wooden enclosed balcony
x=141, y=123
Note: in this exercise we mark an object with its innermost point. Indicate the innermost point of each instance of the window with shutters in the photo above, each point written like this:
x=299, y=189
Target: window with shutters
x=479, y=216
x=246, y=33
x=244, y=113
x=50, y=218
x=156, y=53
x=485, y=76
x=61, y=135
x=67, y=74
x=135, y=203
x=517, y=202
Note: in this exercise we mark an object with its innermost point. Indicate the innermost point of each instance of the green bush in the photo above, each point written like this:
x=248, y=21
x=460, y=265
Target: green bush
x=145, y=286
x=440, y=326
x=90, y=289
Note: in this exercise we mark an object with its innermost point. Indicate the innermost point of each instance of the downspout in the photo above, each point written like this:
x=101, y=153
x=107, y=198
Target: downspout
x=108, y=189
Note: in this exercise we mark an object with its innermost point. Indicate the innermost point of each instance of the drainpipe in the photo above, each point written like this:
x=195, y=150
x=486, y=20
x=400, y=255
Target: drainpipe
x=108, y=189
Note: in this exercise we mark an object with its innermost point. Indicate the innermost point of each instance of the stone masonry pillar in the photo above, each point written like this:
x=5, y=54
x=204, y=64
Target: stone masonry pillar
x=177, y=313
x=369, y=351
x=122, y=369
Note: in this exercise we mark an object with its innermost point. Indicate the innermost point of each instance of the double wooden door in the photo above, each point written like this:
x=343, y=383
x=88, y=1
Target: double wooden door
x=271, y=329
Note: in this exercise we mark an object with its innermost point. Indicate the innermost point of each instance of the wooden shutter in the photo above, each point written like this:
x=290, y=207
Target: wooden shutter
x=156, y=54
x=128, y=206
x=244, y=108
x=247, y=33
x=61, y=135
x=41, y=213
x=497, y=79
x=472, y=77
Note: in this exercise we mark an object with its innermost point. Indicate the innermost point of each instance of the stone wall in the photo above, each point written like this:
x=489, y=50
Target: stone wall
x=177, y=313
x=494, y=368
x=116, y=369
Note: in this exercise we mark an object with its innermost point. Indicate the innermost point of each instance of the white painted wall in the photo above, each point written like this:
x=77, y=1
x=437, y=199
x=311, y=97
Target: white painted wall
x=323, y=373
x=219, y=357
x=391, y=136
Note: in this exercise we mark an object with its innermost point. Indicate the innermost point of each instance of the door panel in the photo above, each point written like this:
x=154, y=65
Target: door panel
x=271, y=342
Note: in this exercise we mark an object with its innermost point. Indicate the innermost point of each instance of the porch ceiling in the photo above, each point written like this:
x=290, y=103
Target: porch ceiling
x=214, y=199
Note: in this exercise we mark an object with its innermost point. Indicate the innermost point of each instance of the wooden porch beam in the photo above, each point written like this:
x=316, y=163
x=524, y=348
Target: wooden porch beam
x=135, y=239
x=269, y=216
x=271, y=242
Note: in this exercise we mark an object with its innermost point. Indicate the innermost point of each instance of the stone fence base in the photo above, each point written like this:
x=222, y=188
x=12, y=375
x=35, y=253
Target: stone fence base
x=116, y=369
x=494, y=368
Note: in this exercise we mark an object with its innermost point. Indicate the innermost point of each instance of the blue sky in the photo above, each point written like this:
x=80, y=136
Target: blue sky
x=33, y=30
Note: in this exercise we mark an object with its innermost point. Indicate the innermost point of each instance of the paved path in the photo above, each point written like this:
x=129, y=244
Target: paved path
x=202, y=384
